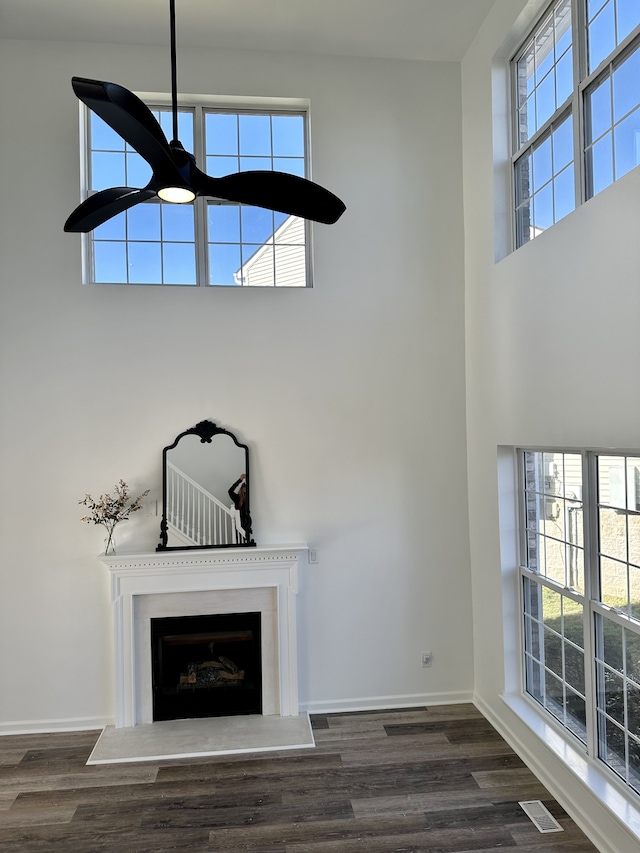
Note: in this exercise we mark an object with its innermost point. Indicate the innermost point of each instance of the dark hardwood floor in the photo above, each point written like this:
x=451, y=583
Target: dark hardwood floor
x=424, y=779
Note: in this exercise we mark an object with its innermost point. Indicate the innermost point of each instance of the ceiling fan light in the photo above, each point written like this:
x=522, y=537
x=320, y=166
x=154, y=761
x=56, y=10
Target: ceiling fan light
x=176, y=195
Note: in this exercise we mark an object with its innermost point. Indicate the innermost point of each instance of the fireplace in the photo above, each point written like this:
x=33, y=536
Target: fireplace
x=204, y=583
x=206, y=666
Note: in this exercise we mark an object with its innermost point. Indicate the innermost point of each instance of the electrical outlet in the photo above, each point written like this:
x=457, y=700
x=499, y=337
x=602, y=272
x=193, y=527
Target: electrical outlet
x=427, y=658
x=313, y=556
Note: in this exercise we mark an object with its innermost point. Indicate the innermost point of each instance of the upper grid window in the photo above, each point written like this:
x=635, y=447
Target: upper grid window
x=582, y=59
x=202, y=243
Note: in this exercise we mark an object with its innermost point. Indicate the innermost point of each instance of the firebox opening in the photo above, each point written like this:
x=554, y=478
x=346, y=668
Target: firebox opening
x=206, y=666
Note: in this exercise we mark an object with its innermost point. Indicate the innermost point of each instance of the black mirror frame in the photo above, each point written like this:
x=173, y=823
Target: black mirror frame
x=205, y=430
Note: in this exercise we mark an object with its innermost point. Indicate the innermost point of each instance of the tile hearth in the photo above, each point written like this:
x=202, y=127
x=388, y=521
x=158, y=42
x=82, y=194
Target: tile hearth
x=200, y=738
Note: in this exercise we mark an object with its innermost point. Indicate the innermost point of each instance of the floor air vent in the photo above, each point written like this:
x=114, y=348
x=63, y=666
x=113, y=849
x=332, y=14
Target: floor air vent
x=541, y=816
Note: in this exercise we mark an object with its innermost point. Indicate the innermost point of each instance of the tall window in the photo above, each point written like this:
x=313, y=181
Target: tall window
x=576, y=84
x=580, y=576
x=203, y=243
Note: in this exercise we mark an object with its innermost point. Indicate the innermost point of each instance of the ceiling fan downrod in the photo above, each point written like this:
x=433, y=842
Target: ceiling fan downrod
x=174, y=72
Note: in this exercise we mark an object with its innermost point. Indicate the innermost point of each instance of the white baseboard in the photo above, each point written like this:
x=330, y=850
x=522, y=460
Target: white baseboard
x=72, y=724
x=329, y=706
x=382, y=703
x=608, y=817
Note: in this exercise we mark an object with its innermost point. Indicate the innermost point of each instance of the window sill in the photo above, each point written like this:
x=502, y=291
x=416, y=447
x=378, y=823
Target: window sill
x=620, y=804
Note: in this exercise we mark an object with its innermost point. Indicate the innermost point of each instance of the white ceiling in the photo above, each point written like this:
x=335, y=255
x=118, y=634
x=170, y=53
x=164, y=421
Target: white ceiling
x=400, y=29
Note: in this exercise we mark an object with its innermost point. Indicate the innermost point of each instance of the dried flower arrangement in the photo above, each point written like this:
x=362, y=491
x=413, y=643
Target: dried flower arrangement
x=110, y=509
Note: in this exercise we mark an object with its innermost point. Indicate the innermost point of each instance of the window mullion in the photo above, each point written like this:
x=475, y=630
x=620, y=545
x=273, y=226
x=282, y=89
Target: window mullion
x=200, y=204
x=579, y=40
x=591, y=583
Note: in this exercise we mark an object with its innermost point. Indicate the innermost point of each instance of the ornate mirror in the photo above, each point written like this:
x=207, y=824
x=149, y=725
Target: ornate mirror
x=205, y=491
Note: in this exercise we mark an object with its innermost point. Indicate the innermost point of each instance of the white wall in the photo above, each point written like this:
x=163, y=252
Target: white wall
x=352, y=396
x=552, y=359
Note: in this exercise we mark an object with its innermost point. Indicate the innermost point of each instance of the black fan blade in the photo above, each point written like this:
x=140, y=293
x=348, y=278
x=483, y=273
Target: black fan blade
x=275, y=191
x=131, y=119
x=102, y=206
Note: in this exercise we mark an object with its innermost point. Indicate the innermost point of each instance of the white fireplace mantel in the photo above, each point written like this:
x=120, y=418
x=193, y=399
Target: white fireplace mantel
x=196, y=582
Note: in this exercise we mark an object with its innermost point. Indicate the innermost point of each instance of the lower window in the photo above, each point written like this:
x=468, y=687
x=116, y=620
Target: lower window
x=580, y=582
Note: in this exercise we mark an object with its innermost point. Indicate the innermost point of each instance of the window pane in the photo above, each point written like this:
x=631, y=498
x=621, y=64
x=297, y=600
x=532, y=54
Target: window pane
x=217, y=167
x=256, y=223
x=524, y=231
x=614, y=695
x=107, y=170
x=626, y=85
x=178, y=222
x=143, y=222
x=542, y=164
x=138, y=171
x=544, y=49
x=613, y=583
x=545, y=99
x=288, y=136
x=633, y=532
x=224, y=223
x=112, y=229
x=628, y=17
x=613, y=533
x=600, y=165
x=290, y=165
x=525, y=74
x=258, y=266
x=611, y=745
x=221, y=133
x=255, y=135
x=601, y=36
x=523, y=178
x=574, y=666
x=224, y=261
x=610, y=637
x=633, y=708
x=634, y=592
x=632, y=656
x=626, y=141
x=110, y=260
x=103, y=138
x=611, y=481
x=594, y=6
x=185, y=126
x=564, y=78
x=290, y=266
x=564, y=193
x=250, y=164
x=179, y=263
x=598, y=104
x=563, y=27
x=543, y=210
x=145, y=266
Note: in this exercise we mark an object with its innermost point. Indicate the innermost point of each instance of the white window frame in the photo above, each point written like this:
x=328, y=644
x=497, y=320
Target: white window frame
x=199, y=104
x=583, y=83
x=592, y=607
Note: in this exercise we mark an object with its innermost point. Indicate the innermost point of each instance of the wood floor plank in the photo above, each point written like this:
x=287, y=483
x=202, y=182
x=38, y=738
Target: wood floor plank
x=76, y=777
x=503, y=778
x=16, y=816
x=437, y=801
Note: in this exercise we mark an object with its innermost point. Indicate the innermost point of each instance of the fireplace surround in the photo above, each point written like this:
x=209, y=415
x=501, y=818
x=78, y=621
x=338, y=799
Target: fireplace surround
x=262, y=580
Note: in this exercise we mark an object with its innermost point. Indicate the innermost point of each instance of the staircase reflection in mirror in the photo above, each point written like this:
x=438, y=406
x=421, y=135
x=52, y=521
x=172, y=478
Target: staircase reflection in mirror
x=205, y=484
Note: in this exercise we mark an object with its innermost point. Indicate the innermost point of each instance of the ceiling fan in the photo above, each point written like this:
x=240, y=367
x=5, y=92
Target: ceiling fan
x=176, y=178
